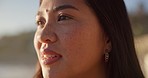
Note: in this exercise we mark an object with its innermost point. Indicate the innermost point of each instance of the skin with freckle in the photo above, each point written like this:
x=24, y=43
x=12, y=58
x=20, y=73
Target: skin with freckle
x=78, y=37
x=85, y=39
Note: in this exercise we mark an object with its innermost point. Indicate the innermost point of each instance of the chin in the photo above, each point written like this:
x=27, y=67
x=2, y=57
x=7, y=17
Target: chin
x=54, y=75
x=48, y=73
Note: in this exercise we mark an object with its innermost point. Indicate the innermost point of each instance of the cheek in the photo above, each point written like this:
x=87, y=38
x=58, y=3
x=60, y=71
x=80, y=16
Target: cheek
x=37, y=44
x=83, y=48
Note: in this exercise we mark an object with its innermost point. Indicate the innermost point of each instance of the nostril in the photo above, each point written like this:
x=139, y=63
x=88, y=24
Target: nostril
x=47, y=40
x=47, y=37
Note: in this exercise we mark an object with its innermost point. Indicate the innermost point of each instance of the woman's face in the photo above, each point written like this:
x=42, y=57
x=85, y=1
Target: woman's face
x=69, y=40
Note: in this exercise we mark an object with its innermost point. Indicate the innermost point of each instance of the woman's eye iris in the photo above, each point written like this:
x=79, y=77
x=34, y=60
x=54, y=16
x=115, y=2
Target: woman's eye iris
x=63, y=17
x=40, y=23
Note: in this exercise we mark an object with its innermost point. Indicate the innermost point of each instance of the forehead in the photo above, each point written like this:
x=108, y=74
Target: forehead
x=50, y=4
x=62, y=1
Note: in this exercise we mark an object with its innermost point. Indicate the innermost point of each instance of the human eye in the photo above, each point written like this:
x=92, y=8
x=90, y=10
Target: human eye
x=64, y=17
x=40, y=22
x=40, y=19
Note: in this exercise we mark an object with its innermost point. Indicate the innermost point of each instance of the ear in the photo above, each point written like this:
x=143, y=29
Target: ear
x=108, y=45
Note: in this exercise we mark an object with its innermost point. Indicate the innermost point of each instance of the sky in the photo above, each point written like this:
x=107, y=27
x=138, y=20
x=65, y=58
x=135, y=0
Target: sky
x=18, y=16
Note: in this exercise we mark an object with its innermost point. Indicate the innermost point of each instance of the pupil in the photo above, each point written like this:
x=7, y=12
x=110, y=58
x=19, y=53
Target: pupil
x=62, y=18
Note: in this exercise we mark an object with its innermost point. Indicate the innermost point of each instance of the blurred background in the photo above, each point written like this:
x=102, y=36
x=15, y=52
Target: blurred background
x=17, y=26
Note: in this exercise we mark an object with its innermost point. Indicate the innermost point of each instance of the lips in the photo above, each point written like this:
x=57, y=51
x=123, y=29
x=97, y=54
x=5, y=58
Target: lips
x=49, y=57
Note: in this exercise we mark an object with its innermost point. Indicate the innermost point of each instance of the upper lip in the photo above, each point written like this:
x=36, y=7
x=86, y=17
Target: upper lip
x=48, y=51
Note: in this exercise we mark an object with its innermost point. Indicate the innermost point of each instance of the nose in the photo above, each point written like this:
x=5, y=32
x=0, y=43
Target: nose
x=46, y=35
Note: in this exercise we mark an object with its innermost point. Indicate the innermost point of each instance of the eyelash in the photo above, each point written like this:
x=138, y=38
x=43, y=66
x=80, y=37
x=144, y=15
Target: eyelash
x=40, y=22
x=64, y=17
x=61, y=18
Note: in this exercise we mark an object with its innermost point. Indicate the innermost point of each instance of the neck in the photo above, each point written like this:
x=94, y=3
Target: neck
x=95, y=72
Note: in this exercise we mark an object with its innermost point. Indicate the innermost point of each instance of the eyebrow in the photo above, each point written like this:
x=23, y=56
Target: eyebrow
x=58, y=8
x=62, y=7
x=40, y=2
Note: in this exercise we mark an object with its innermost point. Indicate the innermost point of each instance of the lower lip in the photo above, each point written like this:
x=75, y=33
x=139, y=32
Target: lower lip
x=49, y=61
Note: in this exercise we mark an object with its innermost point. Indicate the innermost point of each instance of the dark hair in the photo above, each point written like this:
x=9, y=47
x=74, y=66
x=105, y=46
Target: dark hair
x=123, y=61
